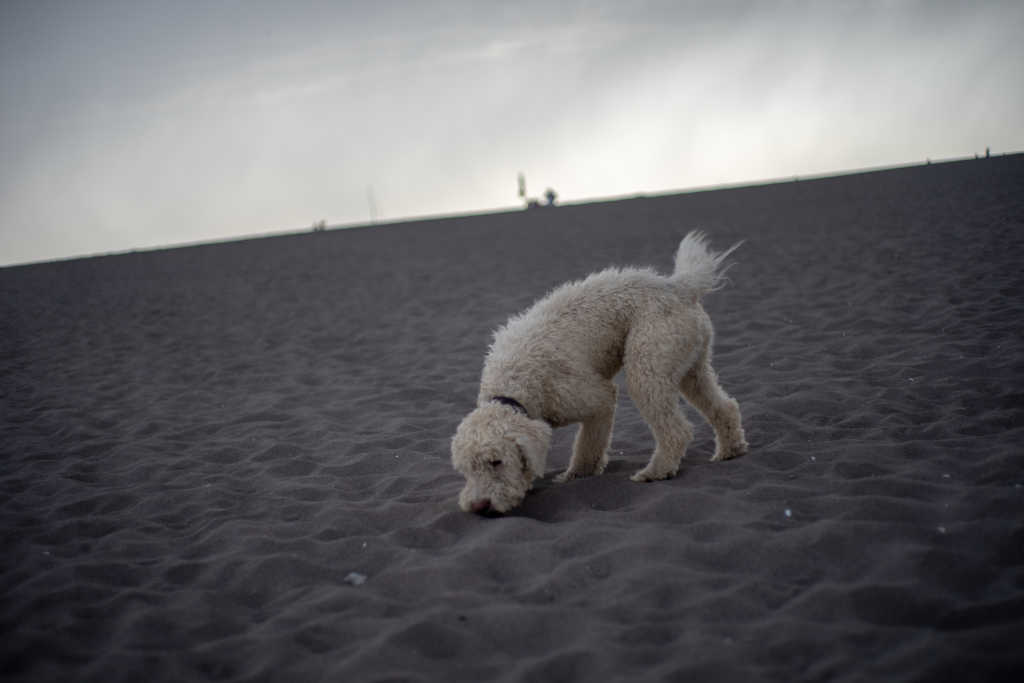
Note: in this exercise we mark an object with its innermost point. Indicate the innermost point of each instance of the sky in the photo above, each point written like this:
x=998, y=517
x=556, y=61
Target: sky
x=135, y=124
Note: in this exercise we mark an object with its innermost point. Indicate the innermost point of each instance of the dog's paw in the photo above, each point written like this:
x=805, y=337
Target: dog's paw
x=569, y=475
x=564, y=477
x=733, y=451
x=573, y=473
x=647, y=474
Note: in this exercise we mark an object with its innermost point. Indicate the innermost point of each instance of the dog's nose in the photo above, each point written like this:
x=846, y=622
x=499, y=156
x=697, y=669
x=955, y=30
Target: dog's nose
x=480, y=506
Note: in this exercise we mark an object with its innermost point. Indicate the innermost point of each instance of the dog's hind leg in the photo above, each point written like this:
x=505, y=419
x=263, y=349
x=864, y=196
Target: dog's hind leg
x=701, y=388
x=590, y=450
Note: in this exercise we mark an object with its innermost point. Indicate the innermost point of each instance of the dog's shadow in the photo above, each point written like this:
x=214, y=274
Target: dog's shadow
x=550, y=501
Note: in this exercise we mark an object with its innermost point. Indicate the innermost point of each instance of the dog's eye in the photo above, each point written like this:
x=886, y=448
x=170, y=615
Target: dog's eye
x=495, y=463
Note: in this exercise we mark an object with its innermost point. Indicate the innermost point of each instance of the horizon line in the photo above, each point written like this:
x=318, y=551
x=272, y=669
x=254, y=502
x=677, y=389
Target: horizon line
x=362, y=225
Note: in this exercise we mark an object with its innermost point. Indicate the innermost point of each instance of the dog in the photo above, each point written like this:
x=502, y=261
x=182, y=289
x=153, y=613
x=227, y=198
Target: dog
x=554, y=365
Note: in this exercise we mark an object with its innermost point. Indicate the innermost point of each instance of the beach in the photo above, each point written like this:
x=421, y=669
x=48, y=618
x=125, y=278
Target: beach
x=232, y=461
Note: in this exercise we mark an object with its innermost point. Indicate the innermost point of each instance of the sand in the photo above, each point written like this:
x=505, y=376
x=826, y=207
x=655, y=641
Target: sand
x=231, y=462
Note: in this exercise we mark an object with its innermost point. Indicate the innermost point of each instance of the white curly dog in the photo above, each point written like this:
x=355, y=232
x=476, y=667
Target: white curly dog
x=553, y=365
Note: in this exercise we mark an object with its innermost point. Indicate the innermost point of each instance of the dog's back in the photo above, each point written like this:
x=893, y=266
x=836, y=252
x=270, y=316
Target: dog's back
x=597, y=312
x=583, y=325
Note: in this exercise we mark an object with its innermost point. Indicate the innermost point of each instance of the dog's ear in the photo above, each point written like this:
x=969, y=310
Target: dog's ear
x=456, y=442
x=533, y=440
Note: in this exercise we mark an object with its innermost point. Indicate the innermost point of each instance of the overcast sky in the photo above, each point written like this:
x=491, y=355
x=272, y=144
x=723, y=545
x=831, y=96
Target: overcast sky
x=135, y=124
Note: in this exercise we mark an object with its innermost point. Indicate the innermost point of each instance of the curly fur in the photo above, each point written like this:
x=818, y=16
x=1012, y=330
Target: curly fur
x=558, y=358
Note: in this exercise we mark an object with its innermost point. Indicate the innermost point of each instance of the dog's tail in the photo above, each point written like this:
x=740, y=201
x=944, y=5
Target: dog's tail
x=697, y=267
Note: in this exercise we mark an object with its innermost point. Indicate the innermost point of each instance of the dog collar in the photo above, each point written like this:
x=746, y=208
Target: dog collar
x=511, y=402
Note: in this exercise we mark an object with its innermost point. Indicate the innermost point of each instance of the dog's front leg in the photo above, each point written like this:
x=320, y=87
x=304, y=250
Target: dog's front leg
x=658, y=402
x=595, y=399
x=590, y=450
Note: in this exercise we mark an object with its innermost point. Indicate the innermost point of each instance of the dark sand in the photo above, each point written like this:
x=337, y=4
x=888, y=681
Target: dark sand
x=199, y=445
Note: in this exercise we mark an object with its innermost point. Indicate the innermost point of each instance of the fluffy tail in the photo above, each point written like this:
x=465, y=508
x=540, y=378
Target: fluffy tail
x=699, y=268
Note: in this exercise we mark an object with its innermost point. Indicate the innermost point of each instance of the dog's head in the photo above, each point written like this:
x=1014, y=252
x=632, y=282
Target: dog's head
x=500, y=452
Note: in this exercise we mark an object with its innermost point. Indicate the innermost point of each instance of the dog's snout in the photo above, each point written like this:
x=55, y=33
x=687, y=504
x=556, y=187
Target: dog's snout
x=480, y=506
